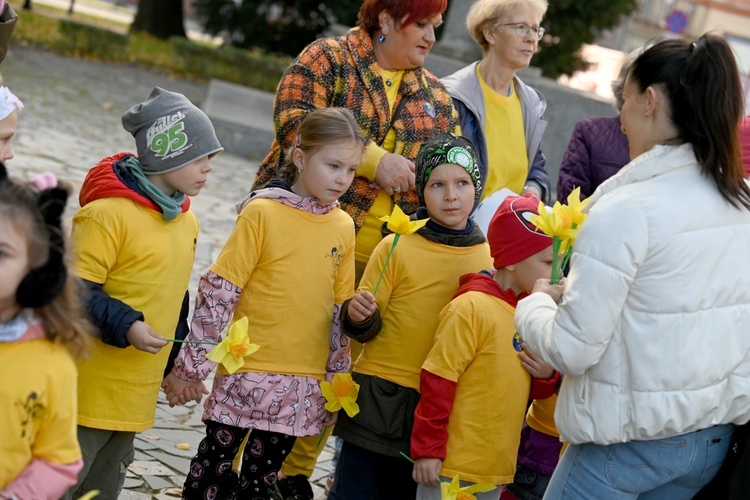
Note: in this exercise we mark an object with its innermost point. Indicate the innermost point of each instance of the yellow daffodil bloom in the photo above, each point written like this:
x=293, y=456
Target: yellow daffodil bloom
x=231, y=351
x=90, y=495
x=454, y=491
x=550, y=222
x=341, y=392
x=399, y=222
x=575, y=207
x=562, y=223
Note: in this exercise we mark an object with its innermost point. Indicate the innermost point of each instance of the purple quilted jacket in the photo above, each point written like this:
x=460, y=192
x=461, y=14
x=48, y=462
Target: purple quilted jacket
x=598, y=150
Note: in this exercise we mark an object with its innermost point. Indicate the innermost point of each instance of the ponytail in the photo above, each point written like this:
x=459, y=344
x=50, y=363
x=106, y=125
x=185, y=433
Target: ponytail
x=702, y=83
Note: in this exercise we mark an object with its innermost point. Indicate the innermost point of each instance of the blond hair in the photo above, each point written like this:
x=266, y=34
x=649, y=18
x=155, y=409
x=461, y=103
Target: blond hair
x=322, y=127
x=487, y=14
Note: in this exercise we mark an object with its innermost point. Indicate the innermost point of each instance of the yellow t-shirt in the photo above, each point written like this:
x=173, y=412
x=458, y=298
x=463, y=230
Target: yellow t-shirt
x=369, y=234
x=541, y=416
x=420, y=280
x=38, y=413
x=144, y=261
x=507, y=158
x=474, y=347
x=292, y=266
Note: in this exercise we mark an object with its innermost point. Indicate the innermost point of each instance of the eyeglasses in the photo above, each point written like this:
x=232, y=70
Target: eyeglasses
x=523, y=30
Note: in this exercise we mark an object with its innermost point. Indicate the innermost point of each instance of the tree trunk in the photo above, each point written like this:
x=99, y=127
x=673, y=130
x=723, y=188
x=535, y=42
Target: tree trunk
x=161, y=18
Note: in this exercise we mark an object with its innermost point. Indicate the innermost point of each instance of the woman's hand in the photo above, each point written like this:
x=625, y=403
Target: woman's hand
x=554, y=291
x=427, y=471
x=361, y=307
x=395, y=174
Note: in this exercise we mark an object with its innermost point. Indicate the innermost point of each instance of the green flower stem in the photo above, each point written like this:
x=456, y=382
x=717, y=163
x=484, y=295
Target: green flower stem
x=192, y=341
x=322, y=433
x=566, y=257
x=385, y=266
x=555, y=278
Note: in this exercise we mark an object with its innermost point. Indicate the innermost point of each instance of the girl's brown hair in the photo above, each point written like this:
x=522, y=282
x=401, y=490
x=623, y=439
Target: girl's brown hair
x=64, y=318
x=322, y=127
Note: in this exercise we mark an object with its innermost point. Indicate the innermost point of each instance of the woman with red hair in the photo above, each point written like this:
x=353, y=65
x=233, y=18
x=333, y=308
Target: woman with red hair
x=375, y=70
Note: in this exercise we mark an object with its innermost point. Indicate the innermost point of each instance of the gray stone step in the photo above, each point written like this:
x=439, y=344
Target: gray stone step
x=242, y=117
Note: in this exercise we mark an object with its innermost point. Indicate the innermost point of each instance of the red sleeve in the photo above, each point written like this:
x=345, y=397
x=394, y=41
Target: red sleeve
x=543, y=389
x=430, y=433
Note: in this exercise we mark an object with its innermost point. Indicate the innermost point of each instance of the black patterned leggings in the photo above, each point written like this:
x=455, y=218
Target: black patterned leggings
x=211, y=476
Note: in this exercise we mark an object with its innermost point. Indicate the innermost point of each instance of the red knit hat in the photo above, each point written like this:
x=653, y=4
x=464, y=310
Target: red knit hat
x=511, y=235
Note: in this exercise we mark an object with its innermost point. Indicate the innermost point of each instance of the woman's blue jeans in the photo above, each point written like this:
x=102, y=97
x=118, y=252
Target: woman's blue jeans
x=671, y=468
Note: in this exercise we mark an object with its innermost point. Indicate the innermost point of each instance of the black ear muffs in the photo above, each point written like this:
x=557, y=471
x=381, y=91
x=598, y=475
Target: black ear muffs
x=42, y=285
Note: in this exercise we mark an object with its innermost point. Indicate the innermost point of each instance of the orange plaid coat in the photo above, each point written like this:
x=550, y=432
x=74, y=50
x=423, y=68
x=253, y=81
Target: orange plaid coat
x=343, y=72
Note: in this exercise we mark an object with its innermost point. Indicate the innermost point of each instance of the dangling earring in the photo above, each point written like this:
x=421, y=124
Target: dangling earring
x=299, y=170
x=381, y=38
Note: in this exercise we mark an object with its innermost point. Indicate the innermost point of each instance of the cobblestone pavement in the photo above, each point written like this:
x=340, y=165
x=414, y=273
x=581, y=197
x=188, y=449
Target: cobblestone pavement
x=71, y=121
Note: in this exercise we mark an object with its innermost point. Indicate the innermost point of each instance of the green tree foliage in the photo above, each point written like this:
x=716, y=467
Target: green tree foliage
x=571, y=23
x=287, y=26
x=160, y=18
x=282, y=26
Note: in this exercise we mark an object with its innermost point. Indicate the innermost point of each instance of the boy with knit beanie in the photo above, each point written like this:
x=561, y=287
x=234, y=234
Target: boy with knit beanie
x=398, y=323
x=134, y=240
x=474, y=388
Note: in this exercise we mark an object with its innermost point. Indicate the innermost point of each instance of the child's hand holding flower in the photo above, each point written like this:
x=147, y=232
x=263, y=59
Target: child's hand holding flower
x=362, y=306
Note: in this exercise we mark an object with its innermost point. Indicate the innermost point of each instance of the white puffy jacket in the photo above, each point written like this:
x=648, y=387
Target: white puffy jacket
x=653, y=332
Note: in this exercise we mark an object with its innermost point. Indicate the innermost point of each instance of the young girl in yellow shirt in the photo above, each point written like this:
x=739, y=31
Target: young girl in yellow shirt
x=42, y=329
x=287, y=267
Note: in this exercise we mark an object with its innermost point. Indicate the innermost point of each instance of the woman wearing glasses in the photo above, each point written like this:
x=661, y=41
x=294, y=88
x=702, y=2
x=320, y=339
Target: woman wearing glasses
x=500, y=114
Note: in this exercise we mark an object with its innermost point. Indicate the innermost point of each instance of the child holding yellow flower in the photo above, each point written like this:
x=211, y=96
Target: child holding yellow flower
x=411, y=282
x=281, y=279
x=474, y=388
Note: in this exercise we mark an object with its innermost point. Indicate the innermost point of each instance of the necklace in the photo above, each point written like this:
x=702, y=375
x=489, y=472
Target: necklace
x=388, y=76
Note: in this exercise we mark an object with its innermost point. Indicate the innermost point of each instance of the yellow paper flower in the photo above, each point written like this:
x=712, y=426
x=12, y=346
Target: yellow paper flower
x=453, y=490
x=562, y=223
x=231, y=351
x=574, y=207
x=551, y=222
x=341, y=392
x=399, y=222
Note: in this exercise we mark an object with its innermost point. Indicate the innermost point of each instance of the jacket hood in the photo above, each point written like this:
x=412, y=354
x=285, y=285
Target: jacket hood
x=483, y=282
x=108, y=179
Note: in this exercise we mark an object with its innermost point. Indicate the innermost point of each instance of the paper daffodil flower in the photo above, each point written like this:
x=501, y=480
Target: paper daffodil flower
x=574, y=208
x=454, y=491
x=562, y=223
x=399, y=222
x=341, y=392
x=231, y=351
